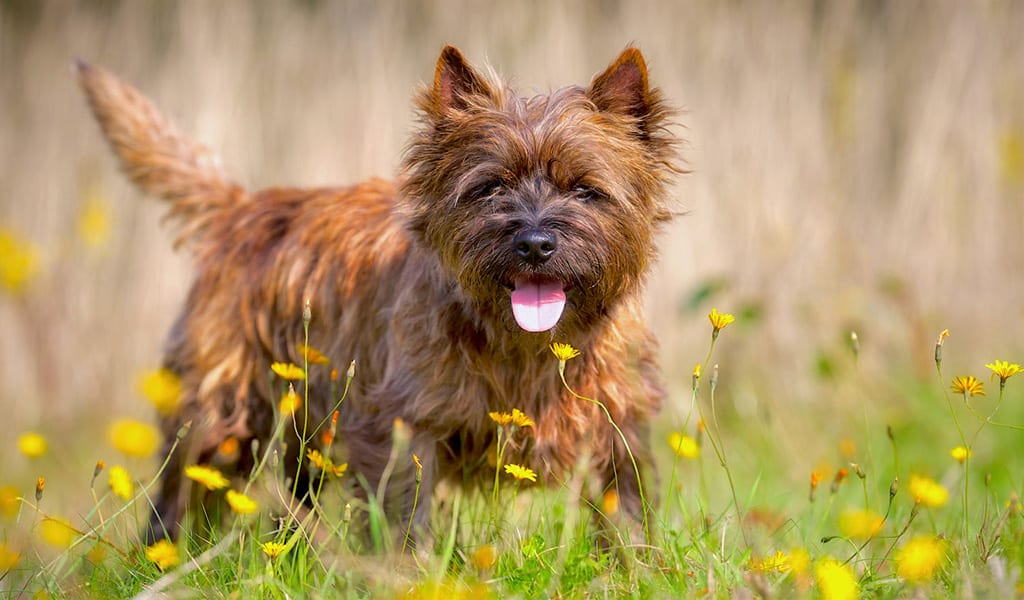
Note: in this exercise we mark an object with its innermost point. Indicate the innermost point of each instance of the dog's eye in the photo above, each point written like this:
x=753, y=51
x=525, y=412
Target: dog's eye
x=585, y=193
x=487, y=189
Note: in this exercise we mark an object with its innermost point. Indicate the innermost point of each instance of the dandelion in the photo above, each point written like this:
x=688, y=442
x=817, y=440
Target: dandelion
x=315, y=458
x=683, y=445
x=324, y=463
x=919, y=559
x=519, y=419
x=208, y=477
x=719, y=321
x=339, y=470
x=1004, y=370
x=9, y=501
x=290, y=402
x=564, y=352
x=57, y=532
x=94, y=221
x=164, y=553
x=32, y=444
x=860, y=524
x=121, y=483
x=927, y=492
x=312, y=355
x=960, y=454
x=501, y=418
x=273, y=549
x=162, y=387
x=19, y=259
x=484, y=557
x=968, y=386
x=8, y=558
x=240, y=503
x=773, y=563
x=134, y=438
x=836, y=581
x=288, y=371
x=520, y=472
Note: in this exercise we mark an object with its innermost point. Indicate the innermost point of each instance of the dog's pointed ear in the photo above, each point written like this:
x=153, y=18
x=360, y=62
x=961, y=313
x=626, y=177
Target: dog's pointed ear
x=455, y=81
x=622, y=88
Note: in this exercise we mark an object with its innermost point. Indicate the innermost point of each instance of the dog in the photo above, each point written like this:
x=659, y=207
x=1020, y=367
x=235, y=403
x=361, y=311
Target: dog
x=515, y=222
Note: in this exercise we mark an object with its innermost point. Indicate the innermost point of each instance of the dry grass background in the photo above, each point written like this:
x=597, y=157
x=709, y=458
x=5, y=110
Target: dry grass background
x=855, y=166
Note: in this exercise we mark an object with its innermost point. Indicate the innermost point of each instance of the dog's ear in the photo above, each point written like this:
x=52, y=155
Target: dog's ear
x=622, y=88
x=456, y=81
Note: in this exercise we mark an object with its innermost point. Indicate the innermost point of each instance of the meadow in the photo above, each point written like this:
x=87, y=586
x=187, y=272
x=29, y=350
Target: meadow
x=856, y=187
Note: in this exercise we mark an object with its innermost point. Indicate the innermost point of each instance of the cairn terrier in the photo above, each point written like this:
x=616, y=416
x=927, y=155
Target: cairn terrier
x=516, y=222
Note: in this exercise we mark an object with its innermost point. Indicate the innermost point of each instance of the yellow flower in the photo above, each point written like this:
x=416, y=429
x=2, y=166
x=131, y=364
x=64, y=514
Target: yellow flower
x=520, y=472
x=290, y=402
x=94, y=221
x=773, y=563
x=19, y=261
x=484, y=557
x=683, y=445
x=210, y=478
x=1004, y=370
x=860, y=524
x=501, y=418
x=799, y=562
x=273, y=549
x=134, y=438
x=8, y=558
x=968, y=386
x=315, y=457
x=610, y=503
x=927, y=492
x=164, y=553
x=9, y=501
x=121, y=483
x=32, y=444
x=312, y=355
x=339, y=470
x=564, y=352
x=162, y=387
x=288, y=371
x=960, y=454
x=835, y=581
x=57, y=532
x=240, y=503
x=520, y=419
x=324, y=463
x=719, y=320
x=919, y=558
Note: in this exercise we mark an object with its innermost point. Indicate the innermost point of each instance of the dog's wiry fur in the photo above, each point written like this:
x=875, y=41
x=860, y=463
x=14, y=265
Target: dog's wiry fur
x=411, y=280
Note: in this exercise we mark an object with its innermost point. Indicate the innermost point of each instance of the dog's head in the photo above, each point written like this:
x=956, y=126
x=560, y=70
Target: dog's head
x=543, y=207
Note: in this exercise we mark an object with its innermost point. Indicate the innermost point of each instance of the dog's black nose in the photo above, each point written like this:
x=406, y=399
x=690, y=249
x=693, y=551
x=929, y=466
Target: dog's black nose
x=535, y=246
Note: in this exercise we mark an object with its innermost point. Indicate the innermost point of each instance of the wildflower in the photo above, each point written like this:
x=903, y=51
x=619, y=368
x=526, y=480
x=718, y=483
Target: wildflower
x=841, y=474
x=1004, y=370
x=927, y=492
x=315, y=458
x=121, y=483
x=100, y=465
x=960, y=454
x=208, y=477
x=56, y=532
x=164, y=553
x=334, y=374
x=94, y=221
x=815, y=480
x=288, y=371
x=240, y=503
x=968, y=386
x=683, y=445
x=228, y=449
x=134, y=438
x=339, y=470
x=501, y=418
x=860, y=524
x=519, y=419
x=799, y=562
x=938, y=345
x=312, y=355
x=9, y=500
x=324, y=463
x=484, y=557
x=836, y=581
x=610, y=503
x=774, y=563
x=40, y=486
x=273, y=549
x=419, y=467
x=719, y=321
x=8, y=558
x=520, y=472
x=32, y=444
x=19, y=260
x=564, y=352
x=919, y=559
x=290, y=402
x=162, y=387
x=696, y=376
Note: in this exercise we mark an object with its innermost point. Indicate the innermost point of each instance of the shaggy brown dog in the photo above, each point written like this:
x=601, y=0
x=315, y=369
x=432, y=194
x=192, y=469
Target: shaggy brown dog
x=516, y=222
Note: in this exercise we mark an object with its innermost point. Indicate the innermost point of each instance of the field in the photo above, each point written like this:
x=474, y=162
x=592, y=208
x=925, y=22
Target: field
x=856, y=188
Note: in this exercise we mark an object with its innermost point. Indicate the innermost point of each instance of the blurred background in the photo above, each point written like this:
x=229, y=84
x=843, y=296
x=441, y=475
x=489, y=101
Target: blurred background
x=856, y=167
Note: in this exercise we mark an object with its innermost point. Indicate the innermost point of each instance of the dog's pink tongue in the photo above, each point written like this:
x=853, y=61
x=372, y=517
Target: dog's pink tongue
x=537, y=306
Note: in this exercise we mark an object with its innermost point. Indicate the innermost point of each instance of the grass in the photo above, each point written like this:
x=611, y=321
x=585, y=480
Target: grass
x=896, y=516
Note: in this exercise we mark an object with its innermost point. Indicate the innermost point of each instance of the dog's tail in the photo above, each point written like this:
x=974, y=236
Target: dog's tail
x=156, y=156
